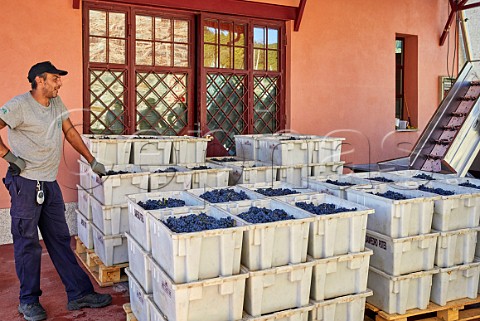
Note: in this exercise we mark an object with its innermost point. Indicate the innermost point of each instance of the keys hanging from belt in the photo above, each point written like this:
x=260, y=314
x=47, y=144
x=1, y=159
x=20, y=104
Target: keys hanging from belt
x=40, y=194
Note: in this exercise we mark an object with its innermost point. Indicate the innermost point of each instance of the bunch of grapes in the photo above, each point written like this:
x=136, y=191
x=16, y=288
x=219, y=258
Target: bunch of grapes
x=275, y=191
x=167, y=170
x=324, y=208
x=263, y=215
x=329, y=181
x=227, y=159
x=439, y=191
x=392, y=195
x=224, y=195
x=197, y=222
x=163, y=203
x=199, y=168
x=112, y=172
x=424, y=176
x=381, y=179
x=468, y=184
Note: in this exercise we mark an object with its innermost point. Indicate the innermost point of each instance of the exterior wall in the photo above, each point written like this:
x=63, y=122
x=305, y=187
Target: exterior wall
x=342, y=73
x=341, y=69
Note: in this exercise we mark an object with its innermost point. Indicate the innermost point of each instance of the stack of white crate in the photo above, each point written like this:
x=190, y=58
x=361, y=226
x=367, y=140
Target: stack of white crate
x=399, y=233
x=340, y=261
x=456, y=219
x=295, y=156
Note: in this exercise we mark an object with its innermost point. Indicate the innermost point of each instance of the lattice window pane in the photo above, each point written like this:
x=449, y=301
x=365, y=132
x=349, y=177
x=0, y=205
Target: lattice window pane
x=161, y=103
x=266, y=105
x=107, y=103
x=226, y=107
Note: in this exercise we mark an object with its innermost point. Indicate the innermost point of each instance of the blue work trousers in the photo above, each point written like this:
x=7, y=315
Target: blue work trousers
x=50, y=219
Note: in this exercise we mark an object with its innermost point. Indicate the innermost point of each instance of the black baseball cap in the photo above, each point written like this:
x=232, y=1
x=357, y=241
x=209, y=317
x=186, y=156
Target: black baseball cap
x=41, y=67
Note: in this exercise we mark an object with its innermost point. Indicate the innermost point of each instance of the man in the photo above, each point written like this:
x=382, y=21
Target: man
x=35, y=123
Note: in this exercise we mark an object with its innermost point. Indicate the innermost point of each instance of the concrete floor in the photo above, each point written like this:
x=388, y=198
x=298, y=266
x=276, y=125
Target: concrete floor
x=54, y=298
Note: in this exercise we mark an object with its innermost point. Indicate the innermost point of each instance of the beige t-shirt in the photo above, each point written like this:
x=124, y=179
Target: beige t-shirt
x=35, y=134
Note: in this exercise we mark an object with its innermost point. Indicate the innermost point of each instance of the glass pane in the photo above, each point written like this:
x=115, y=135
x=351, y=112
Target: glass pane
x=265, y=104
x=272, y=38
x=398, y=46
x=180, y=55
x=239, y=35
x=98, y=49
x=272, y=60
x=143, y=53
x=210, y=31
x=258, y=59
x=399, y=82
x=116, y=25
x=225, y=33
x=210, y=56
x=163, y=29
x=98, y=23
x=259, y=37
x=239, y=58
x=143, y=27
x=225, y=57
x=116, y=51
x=163, y=54
x=180, y=31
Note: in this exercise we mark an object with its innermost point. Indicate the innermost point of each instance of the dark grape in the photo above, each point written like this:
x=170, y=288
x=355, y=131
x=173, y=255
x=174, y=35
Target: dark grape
x=199, y=168
x=329, y=181
x=227, y=159
x=167, y=170
x=468, y=184
x=275, y=191
x=290, y=138
x=392, y=195
x=224, y=195
x=324, y=208
x=424, y=176
x=112, y=172
x=381, y=179
x=439, y=191
x=197, y=222
x=263, y=215
x=163, y=203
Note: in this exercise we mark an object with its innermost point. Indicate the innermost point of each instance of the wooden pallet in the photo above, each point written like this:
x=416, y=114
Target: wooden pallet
x=456, y=310
x=104, y=275
x=128, y=311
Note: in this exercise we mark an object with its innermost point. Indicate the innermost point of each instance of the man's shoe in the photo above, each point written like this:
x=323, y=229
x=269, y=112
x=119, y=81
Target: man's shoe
x=92, y=300
x=32, y=311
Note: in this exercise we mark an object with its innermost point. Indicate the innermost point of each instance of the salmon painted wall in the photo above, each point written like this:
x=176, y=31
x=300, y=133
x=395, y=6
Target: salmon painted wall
x=342, y=72
x=33, y=31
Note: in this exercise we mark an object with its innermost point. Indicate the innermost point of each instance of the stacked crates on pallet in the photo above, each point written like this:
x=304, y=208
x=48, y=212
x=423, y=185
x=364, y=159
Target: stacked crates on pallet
x=294, y=156
x=456, y=219
x=399, y=233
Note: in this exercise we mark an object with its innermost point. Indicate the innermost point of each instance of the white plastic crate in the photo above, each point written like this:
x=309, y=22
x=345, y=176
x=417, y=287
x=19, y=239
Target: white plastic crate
x=397, y=256
x=334, y=234
x=84, y=202
x=345, y=308
x=298, y=314
x=456, y=247
x=197, y=192
x=168, y=181
x=397, y=294
x=138, y=220
x=85, y=175
x=383, y=177
x=320, y=184
x=155, y=313
x=140, y=264
x=280, y=150
x=188, y=257
x=218, y=299
x=138, y=298
x=109, y=150
x=395, y=218
x=252, y=172
x=454, y=180
x=214, y=176
x=110, y=219
x=453, y=212
x=148, y=150
x=189, y=150
x=278, y=288
x=111, y=249
x=84, y=230
x=325, y=169
x=267, y=245
x=454, y=283
x=276, y=185
x=340, y=275
x=294, y=174
x=413, y=172
x=228, y=161
x=326, y=149
x=246, y=146
x=112, y=189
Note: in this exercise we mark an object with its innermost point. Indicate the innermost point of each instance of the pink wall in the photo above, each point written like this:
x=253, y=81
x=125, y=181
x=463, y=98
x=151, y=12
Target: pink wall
x=340, y=71
x=34, y=31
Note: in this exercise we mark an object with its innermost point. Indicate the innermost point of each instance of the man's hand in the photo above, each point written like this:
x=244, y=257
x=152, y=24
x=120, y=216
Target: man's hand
x=17, y=165
x=97, y=167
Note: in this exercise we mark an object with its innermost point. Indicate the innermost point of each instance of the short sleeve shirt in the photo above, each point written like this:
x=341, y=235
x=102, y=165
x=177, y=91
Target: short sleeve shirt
x=35, y=134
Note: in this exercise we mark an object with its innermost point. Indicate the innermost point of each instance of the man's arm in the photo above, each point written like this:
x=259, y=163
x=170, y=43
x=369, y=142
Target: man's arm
x=3, y=148
x=74, y=138
x=17, y=165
